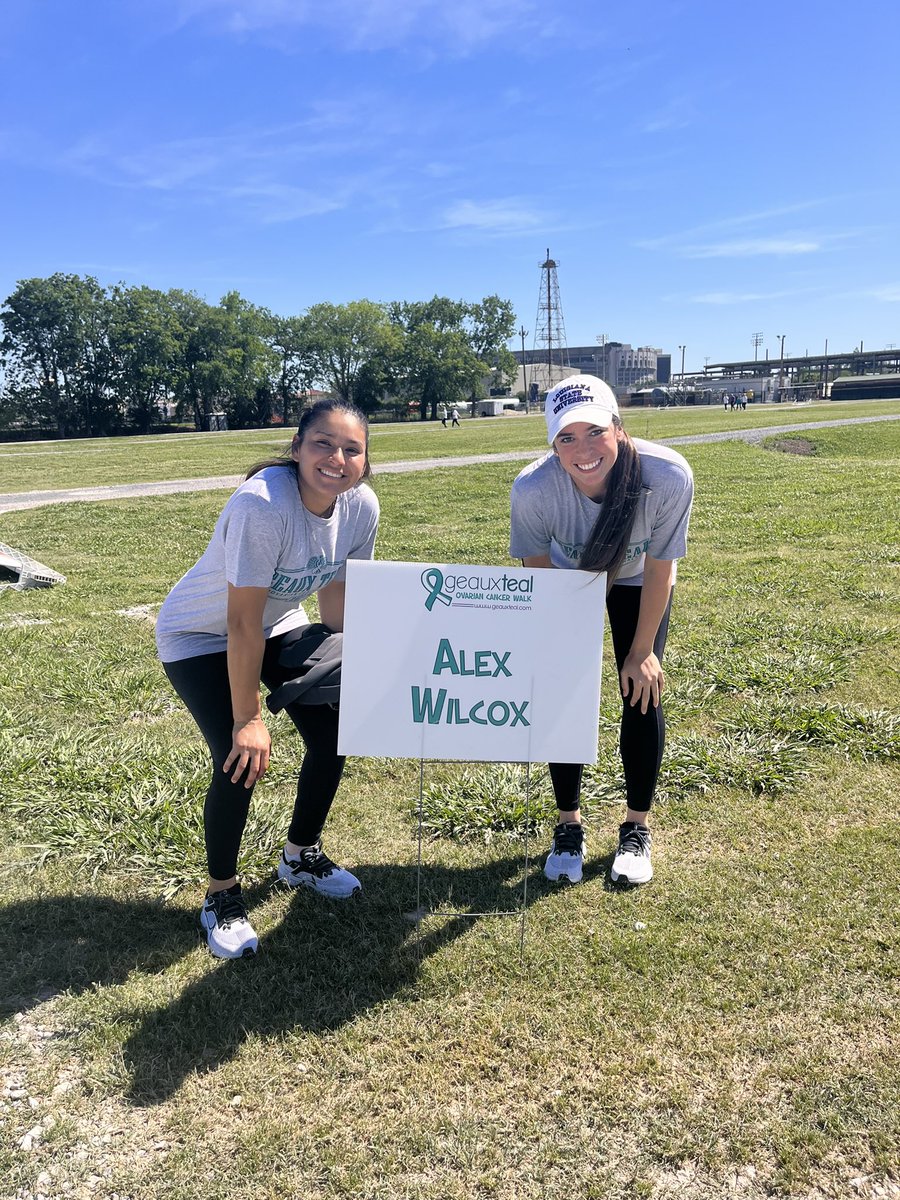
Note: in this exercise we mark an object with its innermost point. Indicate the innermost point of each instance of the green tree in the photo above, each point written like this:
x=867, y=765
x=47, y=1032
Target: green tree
x=145, y=346
x=56, y=341
x=450, y=347
x=353, y=350
x=291, y=340
x=252, y=362
x=491, y=324
x=201, y=374
x=437, y=363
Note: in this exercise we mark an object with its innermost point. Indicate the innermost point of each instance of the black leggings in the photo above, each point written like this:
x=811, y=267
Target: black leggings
x=641, y=735
x=202, y=683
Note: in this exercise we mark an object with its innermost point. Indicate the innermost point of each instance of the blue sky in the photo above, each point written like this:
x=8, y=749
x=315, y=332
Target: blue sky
x=701, y=171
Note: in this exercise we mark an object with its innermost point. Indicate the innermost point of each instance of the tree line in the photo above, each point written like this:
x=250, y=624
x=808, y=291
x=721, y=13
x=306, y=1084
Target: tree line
x=82, y=360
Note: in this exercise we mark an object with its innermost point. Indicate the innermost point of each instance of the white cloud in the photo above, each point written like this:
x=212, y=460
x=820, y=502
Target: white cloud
x=751, y=248
x=701, y=241
x=677, y=114
x=508, y=216
x=440, y=170
x=269, y=175
x=889, y=292
x=729, y=297
x=277, y=202
x=451, y=29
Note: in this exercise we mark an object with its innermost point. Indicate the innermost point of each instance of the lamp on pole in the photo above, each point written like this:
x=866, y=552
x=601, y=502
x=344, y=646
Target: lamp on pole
x=601, y=342
x=682, y=349
x=782, y=336
x=523, y=334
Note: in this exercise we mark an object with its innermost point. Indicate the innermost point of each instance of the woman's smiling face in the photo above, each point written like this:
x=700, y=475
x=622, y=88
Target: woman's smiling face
x=588, y=453
x=330, y=459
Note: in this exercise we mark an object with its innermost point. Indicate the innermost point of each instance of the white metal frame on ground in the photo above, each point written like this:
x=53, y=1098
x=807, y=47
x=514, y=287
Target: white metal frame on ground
x=420, y=914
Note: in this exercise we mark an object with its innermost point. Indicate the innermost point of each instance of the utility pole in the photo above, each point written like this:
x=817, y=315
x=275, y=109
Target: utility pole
x=523, y=334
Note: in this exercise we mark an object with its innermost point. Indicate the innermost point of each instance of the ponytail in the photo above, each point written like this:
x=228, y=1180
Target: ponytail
x=283, y=460
x=608, y=540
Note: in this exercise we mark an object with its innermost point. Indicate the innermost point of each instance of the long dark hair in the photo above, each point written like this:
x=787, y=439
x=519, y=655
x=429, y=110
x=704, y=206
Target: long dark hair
x=608, y=540
x=308, y=418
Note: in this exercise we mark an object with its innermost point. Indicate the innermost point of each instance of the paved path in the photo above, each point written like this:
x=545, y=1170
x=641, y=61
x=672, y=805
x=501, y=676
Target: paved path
x=13, y=501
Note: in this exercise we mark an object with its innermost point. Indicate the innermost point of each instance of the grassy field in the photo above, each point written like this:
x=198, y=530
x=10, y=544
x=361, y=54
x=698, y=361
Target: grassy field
x=31, y=466
x=729, y=1030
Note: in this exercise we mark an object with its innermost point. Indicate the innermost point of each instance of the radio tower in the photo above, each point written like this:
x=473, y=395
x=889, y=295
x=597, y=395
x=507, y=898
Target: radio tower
x=549, y=332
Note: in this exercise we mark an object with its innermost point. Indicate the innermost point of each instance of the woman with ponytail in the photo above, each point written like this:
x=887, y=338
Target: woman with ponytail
x=603, y=501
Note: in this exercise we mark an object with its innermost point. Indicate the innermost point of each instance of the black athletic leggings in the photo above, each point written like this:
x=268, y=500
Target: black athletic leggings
x=202, y=683
x=641, y=735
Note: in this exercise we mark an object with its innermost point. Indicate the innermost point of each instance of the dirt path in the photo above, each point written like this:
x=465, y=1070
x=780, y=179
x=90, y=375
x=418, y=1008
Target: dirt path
x=13, y=501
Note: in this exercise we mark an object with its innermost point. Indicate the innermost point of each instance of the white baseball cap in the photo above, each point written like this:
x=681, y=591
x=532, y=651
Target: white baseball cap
x=579, y=398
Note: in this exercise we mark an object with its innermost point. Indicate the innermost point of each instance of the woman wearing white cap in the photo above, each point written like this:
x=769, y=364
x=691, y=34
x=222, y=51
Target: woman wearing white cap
x=602, y=501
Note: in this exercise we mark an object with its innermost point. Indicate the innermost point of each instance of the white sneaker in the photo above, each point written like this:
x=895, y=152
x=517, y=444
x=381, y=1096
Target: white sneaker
x=315, y=870
x=228, y=932
x=632, y=862
x=566, y=856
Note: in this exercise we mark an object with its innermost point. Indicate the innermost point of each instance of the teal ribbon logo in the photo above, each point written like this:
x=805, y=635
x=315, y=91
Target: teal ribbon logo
x=433, y=582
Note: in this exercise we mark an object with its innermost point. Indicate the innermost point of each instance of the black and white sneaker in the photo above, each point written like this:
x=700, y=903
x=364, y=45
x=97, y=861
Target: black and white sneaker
x=566, y=856
x=632, y=862
x=223, y=918
x=315, y=870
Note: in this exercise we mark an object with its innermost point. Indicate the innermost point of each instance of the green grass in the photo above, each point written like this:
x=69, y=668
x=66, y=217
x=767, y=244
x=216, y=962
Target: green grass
x=33, y=466
x=734, y=1021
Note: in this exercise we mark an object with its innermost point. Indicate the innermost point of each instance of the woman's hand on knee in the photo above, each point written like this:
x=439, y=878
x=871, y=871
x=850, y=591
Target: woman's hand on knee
x=251, y=747
x=642, y=680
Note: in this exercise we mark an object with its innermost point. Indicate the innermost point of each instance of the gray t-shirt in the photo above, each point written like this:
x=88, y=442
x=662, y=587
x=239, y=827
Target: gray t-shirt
x=265, y=537
x=551, y=516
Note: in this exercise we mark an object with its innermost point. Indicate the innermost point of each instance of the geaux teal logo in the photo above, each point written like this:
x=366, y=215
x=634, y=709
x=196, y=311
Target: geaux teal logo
x=433, y=583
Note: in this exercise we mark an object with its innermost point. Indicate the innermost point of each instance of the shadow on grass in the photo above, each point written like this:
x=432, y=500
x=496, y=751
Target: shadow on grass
x=75, y=943
x=321, y=966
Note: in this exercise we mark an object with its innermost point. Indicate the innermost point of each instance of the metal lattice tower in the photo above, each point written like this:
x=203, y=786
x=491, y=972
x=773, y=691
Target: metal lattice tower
x=552, y=363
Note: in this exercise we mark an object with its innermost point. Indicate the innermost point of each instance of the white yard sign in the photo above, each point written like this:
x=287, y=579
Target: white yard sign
x=490, y=664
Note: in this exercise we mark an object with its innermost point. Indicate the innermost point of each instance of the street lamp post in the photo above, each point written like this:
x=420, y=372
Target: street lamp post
x=523, y=334
x=782, y=336
x=682, y=349
x=601, y=341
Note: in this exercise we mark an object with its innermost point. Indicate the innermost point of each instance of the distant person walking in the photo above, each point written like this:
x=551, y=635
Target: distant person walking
x=284, y=535
x=602, y=501
x=454, y=416
x=442, y=412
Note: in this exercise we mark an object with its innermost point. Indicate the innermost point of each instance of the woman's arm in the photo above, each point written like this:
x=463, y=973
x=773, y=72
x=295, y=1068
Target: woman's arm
x=537, y=560
x=331, y=605
x=250, y=741
x=642, y=672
